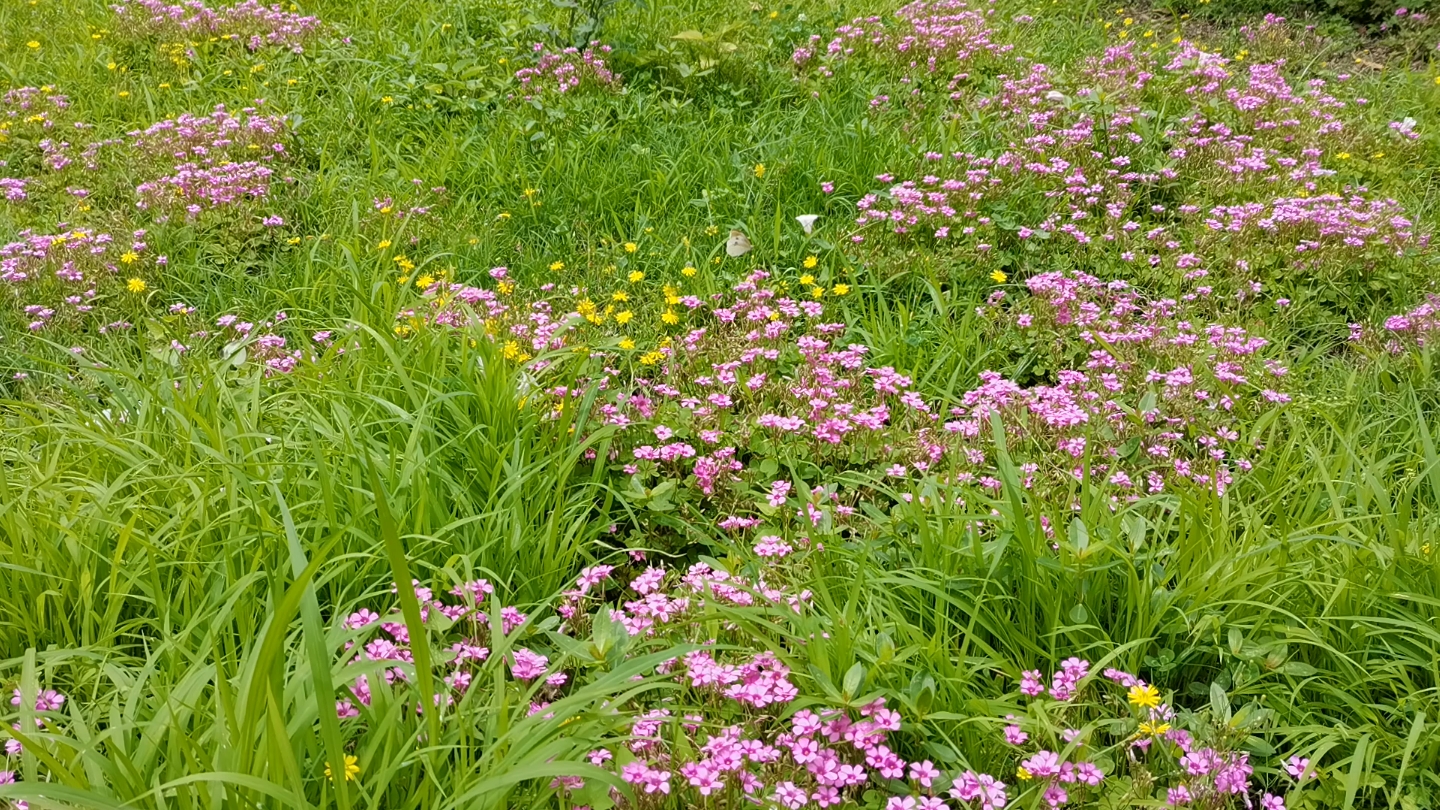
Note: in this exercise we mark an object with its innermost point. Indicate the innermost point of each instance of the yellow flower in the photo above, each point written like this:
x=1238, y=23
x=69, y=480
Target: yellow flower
x=124, y=94
x=32, y=44
x=620, y=295
x=129, y=258
x=424, y=281
x=636, y=276
x=1022, y=774
x=817, y=292
x=135, y=285
x=670, y=317
x=651, y=358
x=810, y=262
x=759, y=169
x=387, y=100
x=631, y=247
x=627, y=344
x=1144, y=695
x=998, y=277
x=511, y=350
x=774, y=14
x=841, y=289
x=807, y=279
x=1343, y=156
x=1154, y=729
x=294, y=240
x=382, y=244
x=1378, y=155
x=1437, y=79
x=712, y=230
x=624, y=317
x=688, y=271
x=352, y=768
x=557, y=266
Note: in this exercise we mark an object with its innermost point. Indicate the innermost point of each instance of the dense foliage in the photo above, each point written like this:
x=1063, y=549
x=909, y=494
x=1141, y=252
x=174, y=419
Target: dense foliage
x=959, y=404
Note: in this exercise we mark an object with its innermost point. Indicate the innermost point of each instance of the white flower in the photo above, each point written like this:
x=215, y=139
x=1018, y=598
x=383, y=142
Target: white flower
x=807, y=221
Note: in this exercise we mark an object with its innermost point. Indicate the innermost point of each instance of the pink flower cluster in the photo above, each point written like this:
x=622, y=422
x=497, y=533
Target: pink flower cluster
x=250, y=21
x=1208, y=776
x=926, y=37
x=559, y=72
x=216, y=138
x=195, y=189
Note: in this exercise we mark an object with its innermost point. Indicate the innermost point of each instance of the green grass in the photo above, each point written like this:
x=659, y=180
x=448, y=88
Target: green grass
x=181, y=537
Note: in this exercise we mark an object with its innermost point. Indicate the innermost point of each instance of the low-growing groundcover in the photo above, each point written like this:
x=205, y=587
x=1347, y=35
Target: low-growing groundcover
x=955, y=404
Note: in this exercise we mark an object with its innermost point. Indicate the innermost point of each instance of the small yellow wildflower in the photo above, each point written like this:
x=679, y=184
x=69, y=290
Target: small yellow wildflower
x=557, y=266
x=424, y=281
x=651, y=358
x=998, y=277
x=294, y=240
x=511, y=350
x=774, y=14
x=631, y=247
x=130, y=257
x=382, y=244
x=352, y=768
x=1144, y=695
x=1154, y=729
x=387, y=100
x=807, y=279
x=1343, y=156
x=810, y=262
x=817, y=292
x=620, y=296
x=135, y=285
x=636, y=276
x=670, y=317
x=759, y=169
x=124, y=94
x=712, y=230
x=1378, y=155
x=1437, y=79
x=623, y=317
x=1022, y=774
x=841, y=289
x=32, y=44
x=688, y=271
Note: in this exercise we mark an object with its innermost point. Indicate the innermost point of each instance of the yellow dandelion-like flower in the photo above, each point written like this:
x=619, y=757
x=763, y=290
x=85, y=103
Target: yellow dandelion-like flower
x=424, y=281
x=636, y=276
x=627, y=344
x=759, y=169
x=670, y=317
x=387, y=100
x=32, y=44
x=1144, y=695
x=1343, y=156
x=1022, y=774
x=712, y=230
x=352, y=768
x=817, y=292
x=631, y=247
x=624, y=317
x=998, y=277
x=651, y=358
x=620, y=296
x=136, y=285
x=130, y=257
x=557, y=266
x=294, y=240
x=382, y=244
x=807, y=279
x=688, y=271
x=511, y=350
x=810, y=262
x=840, y=289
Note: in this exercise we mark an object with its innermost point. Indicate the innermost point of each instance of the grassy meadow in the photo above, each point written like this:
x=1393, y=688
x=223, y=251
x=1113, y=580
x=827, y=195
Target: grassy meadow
x=804, y=404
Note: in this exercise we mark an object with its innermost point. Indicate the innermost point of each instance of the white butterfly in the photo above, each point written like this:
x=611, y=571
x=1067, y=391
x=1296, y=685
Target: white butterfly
x=737, y=245
x=807, y=221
